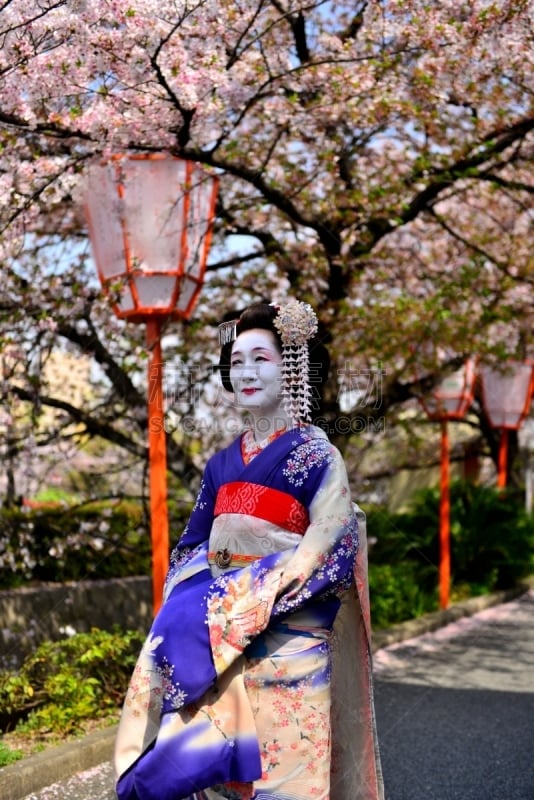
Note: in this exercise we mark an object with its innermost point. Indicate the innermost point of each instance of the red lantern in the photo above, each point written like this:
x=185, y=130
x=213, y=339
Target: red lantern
x=150, y=221
x=454, y=395
x=506, y=396
x=449, y=401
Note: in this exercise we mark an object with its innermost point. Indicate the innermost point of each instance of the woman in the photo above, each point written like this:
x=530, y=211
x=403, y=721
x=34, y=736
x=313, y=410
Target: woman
x=254, y=682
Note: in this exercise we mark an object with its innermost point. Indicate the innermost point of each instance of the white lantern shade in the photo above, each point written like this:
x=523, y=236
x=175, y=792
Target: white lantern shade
x=452, y=397
x=150, y=221
x=507, y=393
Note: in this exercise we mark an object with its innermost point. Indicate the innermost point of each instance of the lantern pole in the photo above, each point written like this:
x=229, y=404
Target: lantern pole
x=150, y=219
x=528, y=483
x=450, y=401
x=157, y=462
x=502, y=463
x=444, y=520
x=527, y=442
x=506, y=398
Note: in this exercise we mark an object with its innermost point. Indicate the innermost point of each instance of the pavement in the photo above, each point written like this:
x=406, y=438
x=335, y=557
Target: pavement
x=454, y=694
x=455, y=709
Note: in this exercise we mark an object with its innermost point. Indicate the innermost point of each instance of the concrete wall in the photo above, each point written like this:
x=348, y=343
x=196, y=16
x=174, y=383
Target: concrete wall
x=49, y=611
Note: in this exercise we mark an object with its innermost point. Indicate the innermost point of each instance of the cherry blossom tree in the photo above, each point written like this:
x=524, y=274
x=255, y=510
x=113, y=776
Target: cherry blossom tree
x=375, y=159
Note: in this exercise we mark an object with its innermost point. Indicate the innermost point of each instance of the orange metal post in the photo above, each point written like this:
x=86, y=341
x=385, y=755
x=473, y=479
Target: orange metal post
x=444, y=521
x=503, y=459
x=159, y=520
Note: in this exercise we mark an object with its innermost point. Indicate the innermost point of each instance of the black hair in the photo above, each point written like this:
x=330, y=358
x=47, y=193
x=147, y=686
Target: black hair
x=262, y=316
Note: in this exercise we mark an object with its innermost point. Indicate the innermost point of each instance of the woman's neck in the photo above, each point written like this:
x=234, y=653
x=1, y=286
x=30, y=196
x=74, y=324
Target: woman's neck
x=263, y=426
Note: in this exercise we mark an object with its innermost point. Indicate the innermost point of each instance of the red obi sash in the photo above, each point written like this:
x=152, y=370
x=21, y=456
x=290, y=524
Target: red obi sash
x=242, y=497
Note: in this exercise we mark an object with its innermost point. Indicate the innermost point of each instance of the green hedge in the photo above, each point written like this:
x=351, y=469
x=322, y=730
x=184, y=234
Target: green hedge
x=92, y=541
x=59, y=542
x=492, y=548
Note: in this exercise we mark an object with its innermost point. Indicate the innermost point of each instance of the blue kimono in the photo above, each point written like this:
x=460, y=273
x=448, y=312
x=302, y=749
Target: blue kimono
x=232, y=693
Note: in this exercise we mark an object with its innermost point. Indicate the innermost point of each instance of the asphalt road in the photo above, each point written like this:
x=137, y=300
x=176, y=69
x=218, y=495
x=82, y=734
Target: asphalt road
x=455, y=713
x=455, y=709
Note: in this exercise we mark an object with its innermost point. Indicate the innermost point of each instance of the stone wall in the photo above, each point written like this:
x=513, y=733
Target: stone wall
x=49, y=611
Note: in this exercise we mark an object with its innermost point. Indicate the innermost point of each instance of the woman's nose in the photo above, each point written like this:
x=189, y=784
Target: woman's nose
x=248, y=372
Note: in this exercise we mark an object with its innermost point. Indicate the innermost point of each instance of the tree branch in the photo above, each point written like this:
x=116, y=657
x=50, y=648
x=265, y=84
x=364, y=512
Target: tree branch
x=91, y=425
x=493, y=144
x=297, y=23
x=90, y=343
x=518, y=186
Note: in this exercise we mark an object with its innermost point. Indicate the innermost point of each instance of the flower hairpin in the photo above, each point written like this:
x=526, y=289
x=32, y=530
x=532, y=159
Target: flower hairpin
x=296, y=323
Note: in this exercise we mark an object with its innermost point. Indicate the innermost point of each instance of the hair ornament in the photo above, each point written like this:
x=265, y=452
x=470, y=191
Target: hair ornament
x=296, y=322
x=228, y=331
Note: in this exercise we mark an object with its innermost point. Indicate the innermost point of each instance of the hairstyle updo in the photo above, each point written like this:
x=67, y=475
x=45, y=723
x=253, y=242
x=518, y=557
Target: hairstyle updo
x=262, y=316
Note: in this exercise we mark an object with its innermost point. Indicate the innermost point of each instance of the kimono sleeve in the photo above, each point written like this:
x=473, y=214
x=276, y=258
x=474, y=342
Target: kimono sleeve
x=200, y=520
x=323, y=563
x=197, y=530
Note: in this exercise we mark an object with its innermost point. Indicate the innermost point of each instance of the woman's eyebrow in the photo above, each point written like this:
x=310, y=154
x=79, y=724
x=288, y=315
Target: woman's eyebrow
x=267, y=349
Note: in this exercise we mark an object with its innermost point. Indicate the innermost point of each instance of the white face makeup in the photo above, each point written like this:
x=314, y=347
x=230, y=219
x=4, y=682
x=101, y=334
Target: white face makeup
x=256, y=372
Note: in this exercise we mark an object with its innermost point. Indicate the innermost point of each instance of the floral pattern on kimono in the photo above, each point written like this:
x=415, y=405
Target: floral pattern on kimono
x=231, y=696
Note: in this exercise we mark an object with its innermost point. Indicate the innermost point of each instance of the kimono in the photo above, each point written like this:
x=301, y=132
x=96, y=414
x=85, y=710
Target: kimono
x=255, y=680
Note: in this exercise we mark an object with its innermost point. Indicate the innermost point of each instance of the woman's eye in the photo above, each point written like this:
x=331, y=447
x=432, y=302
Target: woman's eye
x=235, y=363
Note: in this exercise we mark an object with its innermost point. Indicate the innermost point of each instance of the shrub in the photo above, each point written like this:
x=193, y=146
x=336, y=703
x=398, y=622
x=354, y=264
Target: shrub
x=66, y=682
x=492, y=537
x=96, y=540
x=93, y=540
x=396, y=594
x=492, y=547
x=9, y=756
